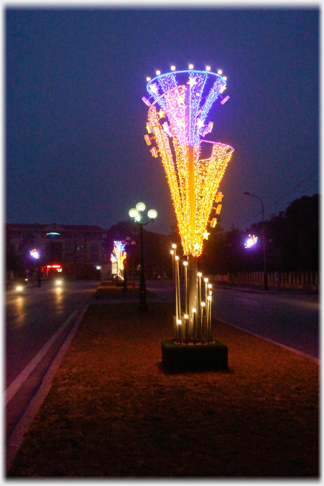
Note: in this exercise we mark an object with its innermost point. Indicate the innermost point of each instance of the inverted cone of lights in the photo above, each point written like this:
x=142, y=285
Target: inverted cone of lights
x=176, y=121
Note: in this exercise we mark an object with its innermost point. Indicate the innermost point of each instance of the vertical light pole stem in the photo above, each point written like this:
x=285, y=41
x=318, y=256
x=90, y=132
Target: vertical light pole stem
x=185, y=264
x=143, y=305
x=178, y=288
x=265, y=275
x=209, y=319
x=206, y=288
x=202, y=322
x=199, y=291
x=192, y=292
x=179, y=331
x=186, y=327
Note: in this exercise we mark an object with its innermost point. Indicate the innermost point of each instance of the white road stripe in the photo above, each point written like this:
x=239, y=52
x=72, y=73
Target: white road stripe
x=21, y=378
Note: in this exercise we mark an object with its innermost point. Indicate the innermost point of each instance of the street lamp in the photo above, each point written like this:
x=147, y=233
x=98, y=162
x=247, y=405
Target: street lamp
x=265, y=276
x=135, y=213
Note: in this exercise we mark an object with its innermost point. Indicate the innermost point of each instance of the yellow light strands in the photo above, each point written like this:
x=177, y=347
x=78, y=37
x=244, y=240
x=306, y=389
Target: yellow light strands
x=177, y=119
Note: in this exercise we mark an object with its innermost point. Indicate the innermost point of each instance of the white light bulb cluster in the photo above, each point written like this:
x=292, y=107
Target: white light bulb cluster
x=190, y=66
x=136, y=213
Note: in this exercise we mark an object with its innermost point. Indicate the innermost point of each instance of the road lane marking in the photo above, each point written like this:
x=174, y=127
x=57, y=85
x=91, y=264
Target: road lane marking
x=305, y=355
x=21, y=378
x=18, y=434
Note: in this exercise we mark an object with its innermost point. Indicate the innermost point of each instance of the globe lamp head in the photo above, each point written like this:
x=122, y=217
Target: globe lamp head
x=140, y=206
x=133, y=213
x=152, y=214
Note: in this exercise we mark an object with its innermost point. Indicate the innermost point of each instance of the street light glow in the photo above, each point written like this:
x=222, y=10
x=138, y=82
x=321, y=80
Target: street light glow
x=140, y=206
x=251, y=241
x=133, y=213
x=152, y=214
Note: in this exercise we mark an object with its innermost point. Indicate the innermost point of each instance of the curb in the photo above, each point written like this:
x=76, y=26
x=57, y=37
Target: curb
x=25, y=421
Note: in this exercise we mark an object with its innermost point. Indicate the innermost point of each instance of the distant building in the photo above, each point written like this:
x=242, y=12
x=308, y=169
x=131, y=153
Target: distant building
x=78, y=249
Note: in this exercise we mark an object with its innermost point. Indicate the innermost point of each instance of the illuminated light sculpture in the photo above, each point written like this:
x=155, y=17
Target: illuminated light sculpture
x=119, y=255
x=251, y=241
x=185, y=98
x=194, y=167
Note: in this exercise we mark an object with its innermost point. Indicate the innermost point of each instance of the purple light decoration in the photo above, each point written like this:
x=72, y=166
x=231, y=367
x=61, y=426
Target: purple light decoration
x=251, y=241
x=197, y=99
x=224, y=100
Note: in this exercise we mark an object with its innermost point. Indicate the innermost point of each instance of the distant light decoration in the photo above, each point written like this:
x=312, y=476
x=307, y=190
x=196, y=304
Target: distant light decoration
x=251, y=241
x=120, y=254
x=34, y=254
x=185, y=99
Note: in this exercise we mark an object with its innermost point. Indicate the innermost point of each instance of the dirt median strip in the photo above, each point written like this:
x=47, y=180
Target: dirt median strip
x=113, y=411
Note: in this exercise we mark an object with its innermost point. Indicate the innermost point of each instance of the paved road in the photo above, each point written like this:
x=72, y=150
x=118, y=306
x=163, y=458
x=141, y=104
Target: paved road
x=37, y=323
x=34, y=319
x=290, y=318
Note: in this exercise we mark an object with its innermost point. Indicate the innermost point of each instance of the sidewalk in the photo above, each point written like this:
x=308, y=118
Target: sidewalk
x=114, y=412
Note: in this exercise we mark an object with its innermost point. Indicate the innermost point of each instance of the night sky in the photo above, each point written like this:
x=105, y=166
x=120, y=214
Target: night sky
x=75, y=119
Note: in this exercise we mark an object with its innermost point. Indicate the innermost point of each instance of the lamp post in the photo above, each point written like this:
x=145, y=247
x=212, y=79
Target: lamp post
x=135, y=213
x=127, y=243
x=265, y=276
x=133, y=243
